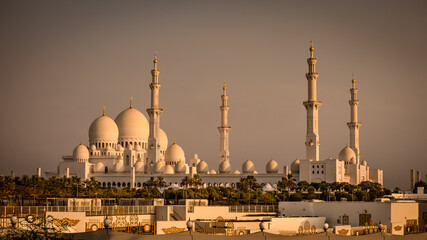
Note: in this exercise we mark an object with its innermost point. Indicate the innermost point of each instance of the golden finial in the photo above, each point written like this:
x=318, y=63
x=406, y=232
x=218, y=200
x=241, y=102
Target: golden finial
x=155, y=57
x=103, y=111
x=81, y=142
x=131, y=105
x=225, y=87
x=353, y=81
x=311, y=46
x=174, y=142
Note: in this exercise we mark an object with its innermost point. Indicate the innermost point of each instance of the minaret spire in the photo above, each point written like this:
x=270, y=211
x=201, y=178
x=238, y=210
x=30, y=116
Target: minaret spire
x=224, y=129
x=312, y=142
x=354, y=124
x=154, y=113
x=103, y=111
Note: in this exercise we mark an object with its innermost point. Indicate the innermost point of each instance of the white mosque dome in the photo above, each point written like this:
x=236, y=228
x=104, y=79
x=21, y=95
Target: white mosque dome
x=139, y=166
x=174, y=154
x=202, y=167
x=81, y=153
x=129, y=147
x=99, y=167
x=163, y=140
x=272, y=166
x=295, y=166
x=255, y=172
x=225, y=167
x=93, y=147
x=120, y=148
x=103, y=129
x=138, y=147
x=132, y=125
x=248, y=167
x=212, y=171
x=346, y=154
x=364, y=163
x=118, y=167
x=169, y=170
x=180, y=167
x=236, y=172
x=159, y=167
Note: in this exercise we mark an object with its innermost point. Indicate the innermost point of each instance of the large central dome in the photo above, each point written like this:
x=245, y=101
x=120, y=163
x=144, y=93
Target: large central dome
x=103, y=129
x=133, y=126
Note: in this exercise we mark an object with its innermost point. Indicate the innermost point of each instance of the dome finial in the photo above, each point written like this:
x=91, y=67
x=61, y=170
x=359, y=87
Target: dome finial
x=155, y=57
x=81, y=142
x=103, y=111
x=353, y=81
x=311, y=46
x=174, y=141
x=131, y=104
x=225, y=87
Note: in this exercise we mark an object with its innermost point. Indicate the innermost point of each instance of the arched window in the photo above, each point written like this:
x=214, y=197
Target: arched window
x=124, y=184
x=127, y=160
x=139, y=184
x=109, y=184
x=114, y=184
x=128, y=184
x=118, y=184
x=106, y=170
x=104, y=184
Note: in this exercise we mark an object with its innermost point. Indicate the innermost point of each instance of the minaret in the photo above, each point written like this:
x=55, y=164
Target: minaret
x=154, y=113
x=224, y=129
x=354, y=125
x=312, y=106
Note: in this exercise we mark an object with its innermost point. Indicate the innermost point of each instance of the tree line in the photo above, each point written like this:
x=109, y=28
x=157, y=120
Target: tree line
x=35, y=190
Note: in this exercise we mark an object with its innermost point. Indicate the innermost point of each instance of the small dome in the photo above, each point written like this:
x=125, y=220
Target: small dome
x=174, y=154
x=99, y=167
x=255, y=172
x=212, y=171
x=132, y=125
x=118, y=167
x=139, y=166
x=109, y=148
x=180, y=167
x=353, y=160
x=159, y=167
x=93, y=147
x=195, y=156
x=169, y=170
x=163, y=140
x=225, y=166
x=81, y=153
x=103, y=129
x=364, y=163
x=129, y=147
x=119, y=148
x=138, y=147
x=295, y=166
x=202, y=167
x=248, y=167
x=272, y=166
x=236, y=172
x=346, y=154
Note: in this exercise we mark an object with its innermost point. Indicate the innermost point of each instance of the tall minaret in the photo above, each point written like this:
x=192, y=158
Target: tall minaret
x=312, y=106
x=224, y=129
x=154, y=112
x=354, y=125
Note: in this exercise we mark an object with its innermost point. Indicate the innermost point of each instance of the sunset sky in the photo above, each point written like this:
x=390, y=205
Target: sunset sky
x=62, y=61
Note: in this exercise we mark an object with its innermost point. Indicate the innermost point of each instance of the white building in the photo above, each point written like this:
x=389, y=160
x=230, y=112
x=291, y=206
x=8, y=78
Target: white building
x=129, y=150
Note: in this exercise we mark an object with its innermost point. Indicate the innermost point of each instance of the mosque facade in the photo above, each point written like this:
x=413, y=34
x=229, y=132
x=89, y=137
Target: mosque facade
x=129, y=150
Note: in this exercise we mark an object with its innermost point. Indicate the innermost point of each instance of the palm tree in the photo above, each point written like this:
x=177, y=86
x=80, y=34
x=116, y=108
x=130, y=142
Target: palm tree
x=197, y=181
x=160, y=182
x=187, y=181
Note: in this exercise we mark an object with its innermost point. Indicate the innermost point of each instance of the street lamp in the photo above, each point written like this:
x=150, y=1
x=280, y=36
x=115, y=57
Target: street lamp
x=13, y=220
x=325, y=227
x=107, y=222
x=189, y=225
x=262, y=226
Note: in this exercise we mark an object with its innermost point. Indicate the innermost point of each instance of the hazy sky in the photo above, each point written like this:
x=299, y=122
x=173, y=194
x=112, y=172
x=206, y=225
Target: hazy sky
x=62, y=61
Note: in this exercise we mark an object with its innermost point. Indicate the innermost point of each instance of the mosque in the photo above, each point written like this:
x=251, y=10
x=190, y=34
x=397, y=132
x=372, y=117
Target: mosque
x=129, y=150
